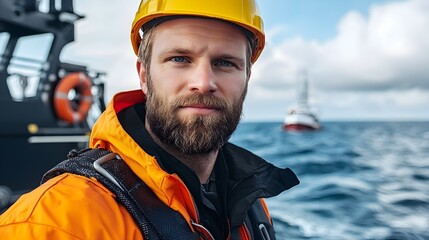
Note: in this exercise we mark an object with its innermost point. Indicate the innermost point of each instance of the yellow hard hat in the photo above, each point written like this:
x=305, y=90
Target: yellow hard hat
x=244, y=13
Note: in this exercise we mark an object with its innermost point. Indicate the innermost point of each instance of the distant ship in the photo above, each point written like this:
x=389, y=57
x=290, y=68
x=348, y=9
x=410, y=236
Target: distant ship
x=300, y=117
x=47, y=106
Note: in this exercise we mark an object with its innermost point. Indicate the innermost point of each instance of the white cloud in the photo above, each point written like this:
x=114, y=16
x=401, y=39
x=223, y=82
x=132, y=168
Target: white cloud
x=380, y=59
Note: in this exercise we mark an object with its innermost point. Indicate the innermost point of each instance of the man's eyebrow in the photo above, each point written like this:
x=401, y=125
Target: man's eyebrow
x=233, y=58
x=176, y=51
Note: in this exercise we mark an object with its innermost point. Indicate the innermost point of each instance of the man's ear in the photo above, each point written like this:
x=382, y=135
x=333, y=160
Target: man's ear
x=141, y=70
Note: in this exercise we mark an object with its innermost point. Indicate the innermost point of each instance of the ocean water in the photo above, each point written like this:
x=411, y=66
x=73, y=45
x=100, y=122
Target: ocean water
x=359, y=180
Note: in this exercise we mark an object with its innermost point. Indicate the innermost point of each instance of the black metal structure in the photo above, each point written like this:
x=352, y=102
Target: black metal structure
x=32, y=136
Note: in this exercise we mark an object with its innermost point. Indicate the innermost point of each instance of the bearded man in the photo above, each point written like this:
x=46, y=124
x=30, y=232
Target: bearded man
x=194, y=68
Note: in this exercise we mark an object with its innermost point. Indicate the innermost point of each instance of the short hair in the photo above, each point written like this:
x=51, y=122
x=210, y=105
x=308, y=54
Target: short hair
x=145, y=48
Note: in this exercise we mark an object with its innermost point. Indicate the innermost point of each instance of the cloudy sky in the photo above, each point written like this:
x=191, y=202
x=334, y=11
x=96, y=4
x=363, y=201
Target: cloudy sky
x=365, y=59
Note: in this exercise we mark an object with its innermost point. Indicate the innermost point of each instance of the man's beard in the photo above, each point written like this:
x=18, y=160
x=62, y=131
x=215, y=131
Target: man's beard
x=194, y=134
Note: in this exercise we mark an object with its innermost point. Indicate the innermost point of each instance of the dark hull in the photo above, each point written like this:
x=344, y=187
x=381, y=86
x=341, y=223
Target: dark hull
x=24, y=163
x=28, y=153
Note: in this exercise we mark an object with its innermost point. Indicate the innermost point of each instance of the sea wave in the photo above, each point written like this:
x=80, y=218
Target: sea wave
x=362, y=180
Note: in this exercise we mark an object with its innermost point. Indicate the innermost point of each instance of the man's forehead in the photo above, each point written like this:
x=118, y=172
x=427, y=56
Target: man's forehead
x=158, y=21
x=205, y=23
x=186, y=34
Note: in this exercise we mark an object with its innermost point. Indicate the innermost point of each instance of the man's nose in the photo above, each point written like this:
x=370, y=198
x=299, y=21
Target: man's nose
x=203, y=78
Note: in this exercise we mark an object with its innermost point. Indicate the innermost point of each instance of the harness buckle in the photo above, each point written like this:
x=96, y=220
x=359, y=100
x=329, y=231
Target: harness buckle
x=264, y=232
x=202, y=231
x=97, y=165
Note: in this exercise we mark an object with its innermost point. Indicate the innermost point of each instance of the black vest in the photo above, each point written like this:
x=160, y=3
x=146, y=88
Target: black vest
x=155, y=219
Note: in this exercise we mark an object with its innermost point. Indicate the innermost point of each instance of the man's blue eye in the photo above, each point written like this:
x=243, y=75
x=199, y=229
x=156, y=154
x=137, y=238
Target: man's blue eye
x=224, y=63
x=178, y=59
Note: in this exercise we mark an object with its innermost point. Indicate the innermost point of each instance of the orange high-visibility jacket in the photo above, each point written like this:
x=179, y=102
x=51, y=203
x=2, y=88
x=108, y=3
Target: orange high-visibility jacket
x=75, y=207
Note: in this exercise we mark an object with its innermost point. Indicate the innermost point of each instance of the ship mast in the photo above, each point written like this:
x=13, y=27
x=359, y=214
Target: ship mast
x=303, y=90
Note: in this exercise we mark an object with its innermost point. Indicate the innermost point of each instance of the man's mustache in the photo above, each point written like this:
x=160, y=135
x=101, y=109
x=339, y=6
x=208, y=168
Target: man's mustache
x=200, y=99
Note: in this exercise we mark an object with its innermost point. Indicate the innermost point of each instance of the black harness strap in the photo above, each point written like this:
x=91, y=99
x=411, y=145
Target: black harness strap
x=261, y=225
x=153, y=217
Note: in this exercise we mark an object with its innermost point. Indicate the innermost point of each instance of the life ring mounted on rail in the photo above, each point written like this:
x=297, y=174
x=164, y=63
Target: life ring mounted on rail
x=63, y=106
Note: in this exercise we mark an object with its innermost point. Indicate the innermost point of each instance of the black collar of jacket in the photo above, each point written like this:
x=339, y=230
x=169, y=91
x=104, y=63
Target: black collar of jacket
x=249, y=176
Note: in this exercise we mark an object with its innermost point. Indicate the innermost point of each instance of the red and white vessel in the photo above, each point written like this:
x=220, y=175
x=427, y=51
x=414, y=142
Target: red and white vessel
x=300, y=117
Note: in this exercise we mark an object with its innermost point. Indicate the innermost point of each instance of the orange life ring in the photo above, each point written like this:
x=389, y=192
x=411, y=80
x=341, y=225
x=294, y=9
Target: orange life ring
x=62, y=104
